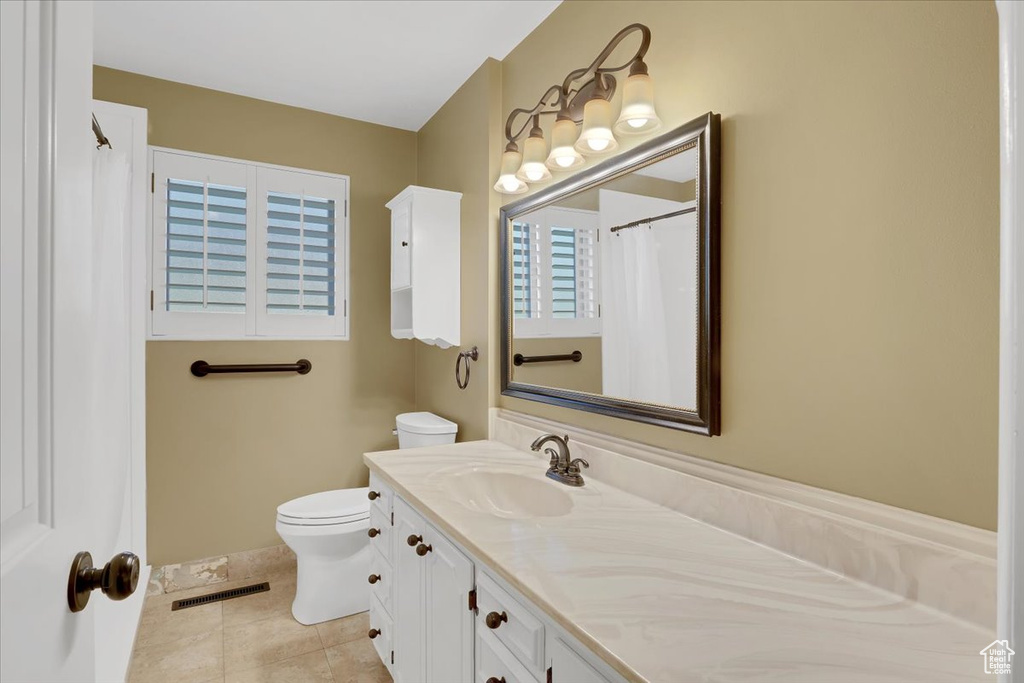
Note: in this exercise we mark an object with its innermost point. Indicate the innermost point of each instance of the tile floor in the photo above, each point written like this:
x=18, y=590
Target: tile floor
x=248, y=640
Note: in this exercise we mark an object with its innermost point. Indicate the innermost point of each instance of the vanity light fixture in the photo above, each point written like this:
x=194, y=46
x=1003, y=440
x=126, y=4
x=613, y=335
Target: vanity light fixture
x=584, y=97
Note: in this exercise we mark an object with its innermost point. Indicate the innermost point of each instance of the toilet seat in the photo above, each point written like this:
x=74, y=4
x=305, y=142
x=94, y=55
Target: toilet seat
x=328, y=508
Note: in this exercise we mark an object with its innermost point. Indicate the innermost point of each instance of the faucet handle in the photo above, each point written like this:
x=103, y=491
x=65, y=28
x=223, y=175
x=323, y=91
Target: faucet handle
x=553, y=454
x=574, y=466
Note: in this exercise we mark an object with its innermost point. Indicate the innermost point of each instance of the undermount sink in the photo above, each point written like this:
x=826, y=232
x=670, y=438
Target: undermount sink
x=507, y=494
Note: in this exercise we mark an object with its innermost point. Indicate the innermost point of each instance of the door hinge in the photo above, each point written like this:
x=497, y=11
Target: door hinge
x=346, y=208
x=151, y=299
x=152, y=183
x=392, y=518
x=393, y=658
x=472, y=601
x=549, y=674
x=599, y=310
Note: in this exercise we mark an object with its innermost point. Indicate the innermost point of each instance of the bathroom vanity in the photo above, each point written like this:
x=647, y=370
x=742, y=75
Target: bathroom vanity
x=484, y=570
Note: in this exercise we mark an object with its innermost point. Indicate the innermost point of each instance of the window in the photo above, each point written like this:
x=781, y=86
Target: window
x=554, y=274
x=244, y=250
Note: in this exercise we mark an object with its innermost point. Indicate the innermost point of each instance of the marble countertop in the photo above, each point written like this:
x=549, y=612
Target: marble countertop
x=663, y=598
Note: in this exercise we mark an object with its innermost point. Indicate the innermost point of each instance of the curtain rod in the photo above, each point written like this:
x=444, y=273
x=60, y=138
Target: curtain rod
x=648, y=221
x=101, y=139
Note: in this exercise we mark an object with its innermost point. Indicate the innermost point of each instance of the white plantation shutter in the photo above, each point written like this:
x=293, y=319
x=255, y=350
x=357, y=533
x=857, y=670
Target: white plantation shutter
x=554, y=273
x=302, y=292
x=245, y=250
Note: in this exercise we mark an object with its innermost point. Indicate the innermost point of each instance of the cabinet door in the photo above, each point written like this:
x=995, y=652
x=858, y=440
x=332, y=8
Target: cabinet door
x=407, y=592
x=401, y=245
x=569, y=667
x=449, y=628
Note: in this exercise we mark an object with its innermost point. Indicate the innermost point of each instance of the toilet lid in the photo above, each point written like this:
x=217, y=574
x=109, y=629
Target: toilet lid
x=344, y=505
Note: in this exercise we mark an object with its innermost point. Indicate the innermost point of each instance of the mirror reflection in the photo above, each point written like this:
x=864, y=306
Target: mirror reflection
x=605, y=290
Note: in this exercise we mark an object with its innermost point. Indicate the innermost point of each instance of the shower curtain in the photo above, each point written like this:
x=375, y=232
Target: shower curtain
x=111, y=412
x=634, y=330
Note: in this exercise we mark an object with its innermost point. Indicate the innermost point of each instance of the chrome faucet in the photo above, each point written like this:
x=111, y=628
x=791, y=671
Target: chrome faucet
x=562, y=467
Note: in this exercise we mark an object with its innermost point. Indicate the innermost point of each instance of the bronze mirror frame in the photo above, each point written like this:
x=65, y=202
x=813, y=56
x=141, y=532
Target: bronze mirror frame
x=704, y=134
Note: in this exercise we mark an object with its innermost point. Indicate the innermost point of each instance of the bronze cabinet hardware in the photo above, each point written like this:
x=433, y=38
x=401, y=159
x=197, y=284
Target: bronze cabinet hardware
x=201, y=368
x=374, y=632
x=494, y=620
x=492, y=679
x=373, y=495
x=372, y=533
x=414, y=539
x=405, y=244
x=117, y=579
x=374, y=578
x=422, y=549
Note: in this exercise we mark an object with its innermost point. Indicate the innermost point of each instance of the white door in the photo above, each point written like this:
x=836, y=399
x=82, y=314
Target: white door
x=56, y=499
x=448, y=579
x=408, y=595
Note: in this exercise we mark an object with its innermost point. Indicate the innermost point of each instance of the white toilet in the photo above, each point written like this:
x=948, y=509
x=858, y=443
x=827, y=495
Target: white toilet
x=327, y=532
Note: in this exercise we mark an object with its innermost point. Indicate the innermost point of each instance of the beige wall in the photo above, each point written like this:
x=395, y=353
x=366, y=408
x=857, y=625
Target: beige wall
x=582, y=376
x=456, y=151
x=223, y=452
x=859, y=233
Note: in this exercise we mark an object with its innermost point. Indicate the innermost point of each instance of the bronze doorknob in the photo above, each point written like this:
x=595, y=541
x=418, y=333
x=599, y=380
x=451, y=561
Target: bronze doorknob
x=374, y=578
x=422, y=549
x=494, y=620
x=374, y=632
x=414, y=539
x=492, y=679
x=117, y=579
x=373, y=495
x=373, y=533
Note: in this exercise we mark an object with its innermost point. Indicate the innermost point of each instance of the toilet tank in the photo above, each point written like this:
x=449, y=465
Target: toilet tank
x=424, y=429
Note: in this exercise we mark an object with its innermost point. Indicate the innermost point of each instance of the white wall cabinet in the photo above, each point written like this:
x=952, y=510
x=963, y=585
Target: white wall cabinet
x=453, y=622
x=425, y=265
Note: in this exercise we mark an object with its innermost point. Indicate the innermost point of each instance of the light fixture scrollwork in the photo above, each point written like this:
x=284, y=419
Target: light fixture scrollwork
x=584, y=97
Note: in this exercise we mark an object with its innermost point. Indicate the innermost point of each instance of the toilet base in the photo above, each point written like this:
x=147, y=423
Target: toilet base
x=331, y=589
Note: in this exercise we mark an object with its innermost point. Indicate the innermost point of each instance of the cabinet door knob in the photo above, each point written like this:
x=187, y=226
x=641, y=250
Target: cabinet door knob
x=492, y=679
x=373, y=533
x=373, y=495
x=494, y=620
x=374, y=632
x=422, y=549
x=414, y=539
x=405, y=244
x=374, y=578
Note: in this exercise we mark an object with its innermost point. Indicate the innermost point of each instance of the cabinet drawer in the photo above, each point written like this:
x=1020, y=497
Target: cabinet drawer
x=383, y=498
x=381, y=587
x=380, y=620
x=495, y=662
x=519, y=631
x=380, y=527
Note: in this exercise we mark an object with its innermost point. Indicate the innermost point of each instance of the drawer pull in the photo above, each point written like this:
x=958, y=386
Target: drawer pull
x=494, y=620
x=414, y=539
x=373, y=495
x=373, y=533
x=492, y=679
x=374, y=632
x=422, y=549
x=374, y=578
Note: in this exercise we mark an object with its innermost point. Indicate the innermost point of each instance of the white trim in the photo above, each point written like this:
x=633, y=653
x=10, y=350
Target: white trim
x=1010, y=567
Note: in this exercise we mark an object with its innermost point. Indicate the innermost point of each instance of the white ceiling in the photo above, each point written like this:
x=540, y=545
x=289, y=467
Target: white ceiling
x=393, y=63
x=679, y=168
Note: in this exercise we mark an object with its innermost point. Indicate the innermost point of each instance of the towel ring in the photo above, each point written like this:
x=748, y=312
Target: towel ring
x=473, y=354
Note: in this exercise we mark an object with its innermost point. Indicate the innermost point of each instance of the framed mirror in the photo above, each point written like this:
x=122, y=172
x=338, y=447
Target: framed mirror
x=610, y=285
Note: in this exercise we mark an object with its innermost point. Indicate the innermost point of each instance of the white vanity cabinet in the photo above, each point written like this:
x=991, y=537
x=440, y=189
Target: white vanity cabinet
x=442, y=617
x=425, y=265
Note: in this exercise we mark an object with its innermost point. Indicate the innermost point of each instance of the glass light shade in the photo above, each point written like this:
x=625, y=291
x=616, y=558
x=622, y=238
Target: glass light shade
x=597, y=137
x=563, y=155
x=638, y=115
x=533, y=170
x=507, y=181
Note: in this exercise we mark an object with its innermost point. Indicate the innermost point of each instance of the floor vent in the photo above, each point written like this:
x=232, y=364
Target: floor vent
x=220, y=595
